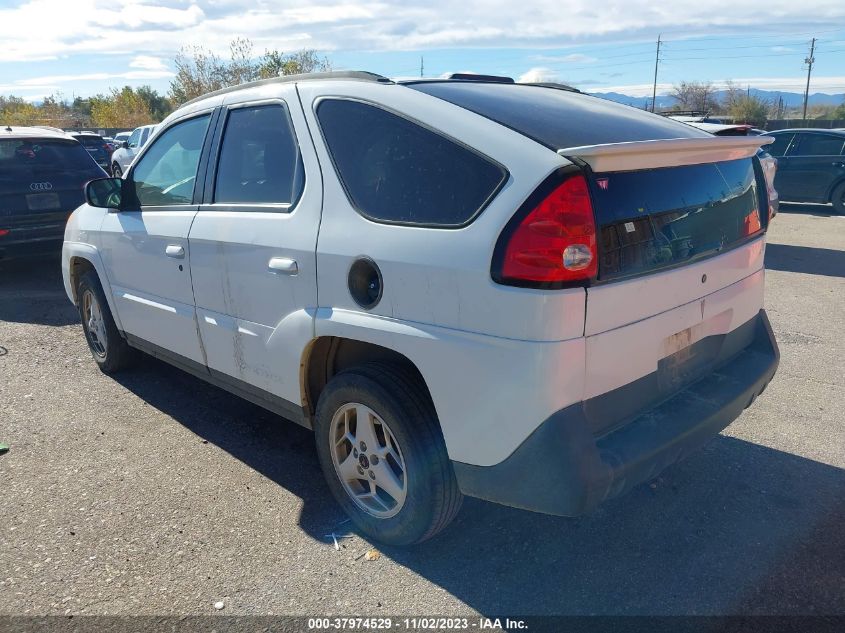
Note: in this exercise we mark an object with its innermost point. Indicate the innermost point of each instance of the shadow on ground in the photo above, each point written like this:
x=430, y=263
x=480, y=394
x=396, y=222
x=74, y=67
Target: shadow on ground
x=805, y=259
x=31, y=291
x=737, y=528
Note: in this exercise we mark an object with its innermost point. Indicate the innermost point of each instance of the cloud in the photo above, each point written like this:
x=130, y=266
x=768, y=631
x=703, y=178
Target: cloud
x=148, y=62
x=539, y=75
x=160, y=27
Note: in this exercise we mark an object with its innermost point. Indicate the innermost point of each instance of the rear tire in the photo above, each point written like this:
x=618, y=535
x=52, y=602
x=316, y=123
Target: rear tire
x=108, y=347
x=384, y=414
x=838, y=199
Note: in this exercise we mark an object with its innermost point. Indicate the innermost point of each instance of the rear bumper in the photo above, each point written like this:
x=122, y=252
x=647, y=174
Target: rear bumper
x=563, y=469
x=45, y=245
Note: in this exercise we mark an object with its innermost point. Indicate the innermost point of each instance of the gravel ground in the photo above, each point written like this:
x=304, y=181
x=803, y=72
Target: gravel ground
x=157, y=494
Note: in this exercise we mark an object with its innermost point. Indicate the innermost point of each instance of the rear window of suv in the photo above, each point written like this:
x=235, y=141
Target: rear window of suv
x=557, y=118
x=658, y=218
x=23, y=161
x=396, y=171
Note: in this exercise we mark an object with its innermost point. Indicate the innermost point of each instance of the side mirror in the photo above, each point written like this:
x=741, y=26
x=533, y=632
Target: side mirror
x=105, y=193
x=124, y=144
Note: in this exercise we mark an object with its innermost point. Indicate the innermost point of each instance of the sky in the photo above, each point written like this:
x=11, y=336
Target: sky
x=84, y=47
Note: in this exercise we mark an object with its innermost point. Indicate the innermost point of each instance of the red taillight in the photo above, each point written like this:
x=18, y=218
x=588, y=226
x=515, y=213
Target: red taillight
x=556, y=241
x=4, y=232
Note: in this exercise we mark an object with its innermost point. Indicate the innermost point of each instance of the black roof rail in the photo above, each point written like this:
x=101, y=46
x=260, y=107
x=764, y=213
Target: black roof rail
x=359, y=75
x=487, y=78
x=550, y=84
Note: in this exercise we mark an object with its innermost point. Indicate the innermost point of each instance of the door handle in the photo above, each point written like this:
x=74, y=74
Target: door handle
x=175, y=250
x=284, y=265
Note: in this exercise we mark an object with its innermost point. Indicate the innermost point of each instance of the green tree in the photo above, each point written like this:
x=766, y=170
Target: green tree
x=18, y=111
x=200, y=71
x=121, y=108
x=158, y=104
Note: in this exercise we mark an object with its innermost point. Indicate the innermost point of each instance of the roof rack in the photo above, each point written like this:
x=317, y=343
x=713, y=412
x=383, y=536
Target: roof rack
x=550, y=84
x=486, y=78
x=359, y=75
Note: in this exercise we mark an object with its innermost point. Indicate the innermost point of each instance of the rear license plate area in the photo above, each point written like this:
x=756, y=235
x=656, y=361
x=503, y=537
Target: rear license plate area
x=42, y=201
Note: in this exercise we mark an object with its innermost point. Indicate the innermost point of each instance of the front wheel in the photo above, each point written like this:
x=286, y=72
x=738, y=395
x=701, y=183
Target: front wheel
x=838, y=199
x=116, y=171
x=109, y=349
x=383, y=454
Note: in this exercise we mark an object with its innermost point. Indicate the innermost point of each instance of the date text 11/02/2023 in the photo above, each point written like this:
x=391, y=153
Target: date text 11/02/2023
x=414, y=624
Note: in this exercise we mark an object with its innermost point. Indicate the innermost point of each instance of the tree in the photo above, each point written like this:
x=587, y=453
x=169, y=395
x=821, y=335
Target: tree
x=839, y=113
x=17, y=111
x=122, y=108
x=158, y=105
x=695, y=95
x=199, y=70
x=745, y=107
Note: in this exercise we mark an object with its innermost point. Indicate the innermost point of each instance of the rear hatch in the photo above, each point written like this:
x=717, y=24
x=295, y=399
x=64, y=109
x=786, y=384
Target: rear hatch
x=679, y=283
x=679, y=225
x=41, y=183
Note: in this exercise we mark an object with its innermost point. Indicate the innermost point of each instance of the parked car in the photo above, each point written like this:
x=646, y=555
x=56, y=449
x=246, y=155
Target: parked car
x=42, y=177
x=811, y=166
x=526, y=294
x=96, y=145
x=120, y=138
x=124, y=155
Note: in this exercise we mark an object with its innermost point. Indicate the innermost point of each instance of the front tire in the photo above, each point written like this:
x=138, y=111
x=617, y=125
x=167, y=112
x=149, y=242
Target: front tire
x=109, y=349
x=383, y=454
x=116, y=171
x=838, y=199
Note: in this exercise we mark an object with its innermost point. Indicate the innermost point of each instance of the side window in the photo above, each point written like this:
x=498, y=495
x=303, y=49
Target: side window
x=396, y=171
x=145, y=134
x=778, y=148
x=819, y=145
x=134, y=138
x=167, y=171
x=259, y=158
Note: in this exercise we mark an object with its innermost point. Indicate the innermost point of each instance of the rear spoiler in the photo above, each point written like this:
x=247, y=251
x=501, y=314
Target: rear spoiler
x=665, y=153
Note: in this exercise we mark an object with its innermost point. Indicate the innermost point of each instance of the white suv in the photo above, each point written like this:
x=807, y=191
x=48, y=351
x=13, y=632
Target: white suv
x=514, y=292
x=125, y=153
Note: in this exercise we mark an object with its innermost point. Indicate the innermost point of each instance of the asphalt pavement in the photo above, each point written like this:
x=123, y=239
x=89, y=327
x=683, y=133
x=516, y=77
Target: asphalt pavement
x=154, y=493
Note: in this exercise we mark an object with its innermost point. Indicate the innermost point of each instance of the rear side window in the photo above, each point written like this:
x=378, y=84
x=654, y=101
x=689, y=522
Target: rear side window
x=819, y=145
x=397, y=171
x=259, y=158
x=778, y=148
x=658, y=218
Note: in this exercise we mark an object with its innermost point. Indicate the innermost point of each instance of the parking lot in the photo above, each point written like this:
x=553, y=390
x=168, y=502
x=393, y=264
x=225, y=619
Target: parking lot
x=156, y=493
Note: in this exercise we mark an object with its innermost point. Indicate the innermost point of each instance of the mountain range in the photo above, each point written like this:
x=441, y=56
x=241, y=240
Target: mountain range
x=790, y=99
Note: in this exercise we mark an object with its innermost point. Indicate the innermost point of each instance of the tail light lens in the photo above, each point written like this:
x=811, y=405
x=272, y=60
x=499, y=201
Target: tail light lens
x=554, y=244
x=4, y=232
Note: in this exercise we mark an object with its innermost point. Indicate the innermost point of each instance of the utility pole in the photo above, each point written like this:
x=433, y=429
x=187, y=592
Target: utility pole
x=809, y=61
x=422, y=66
x=656, y=61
